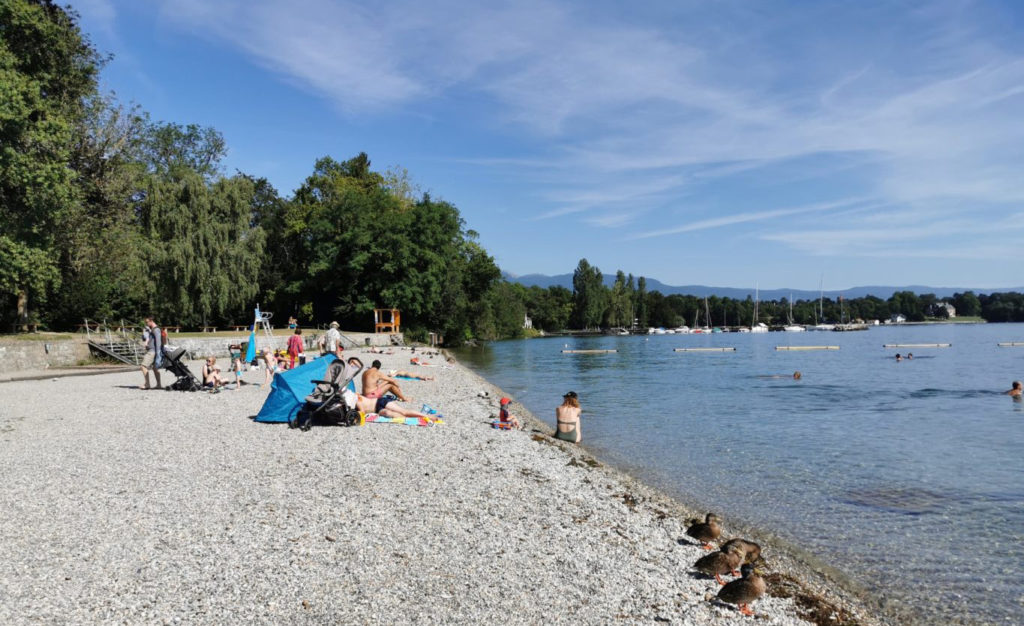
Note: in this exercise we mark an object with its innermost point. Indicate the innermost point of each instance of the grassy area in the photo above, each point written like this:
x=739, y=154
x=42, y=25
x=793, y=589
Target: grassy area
x=965, y=319
x=277, y=332
x=40, y=336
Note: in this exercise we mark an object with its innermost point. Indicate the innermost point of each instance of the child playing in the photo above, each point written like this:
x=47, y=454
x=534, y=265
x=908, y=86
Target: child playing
x=506, y=419
x=272, y=365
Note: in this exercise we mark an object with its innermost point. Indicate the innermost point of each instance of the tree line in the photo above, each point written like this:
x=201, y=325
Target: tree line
x=627, y=304
x=105, y=213
x=108, y=214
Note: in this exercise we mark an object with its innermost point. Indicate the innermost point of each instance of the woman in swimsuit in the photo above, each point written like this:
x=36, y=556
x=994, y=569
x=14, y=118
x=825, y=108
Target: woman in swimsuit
x=567, y=419
x=211, y=373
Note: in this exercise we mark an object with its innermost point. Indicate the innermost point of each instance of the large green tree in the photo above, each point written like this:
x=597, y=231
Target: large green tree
x=590, y=297
x=47, y=69
x=203, y=254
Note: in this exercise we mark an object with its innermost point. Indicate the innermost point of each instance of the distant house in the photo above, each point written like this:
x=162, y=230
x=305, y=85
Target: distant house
x=897, y=318
x=950, y=309
x=527, y=322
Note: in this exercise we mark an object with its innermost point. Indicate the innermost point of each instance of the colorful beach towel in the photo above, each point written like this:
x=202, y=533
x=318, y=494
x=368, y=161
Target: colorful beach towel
x=374, y=418
x=500, y=425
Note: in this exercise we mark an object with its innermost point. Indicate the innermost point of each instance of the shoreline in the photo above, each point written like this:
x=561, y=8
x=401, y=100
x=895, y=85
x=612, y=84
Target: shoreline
x=134, y=506
x=827, y=595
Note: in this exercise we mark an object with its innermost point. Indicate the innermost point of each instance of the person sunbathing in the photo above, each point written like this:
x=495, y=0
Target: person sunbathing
x=386, y=406
x=376, y=384
x=405, y=374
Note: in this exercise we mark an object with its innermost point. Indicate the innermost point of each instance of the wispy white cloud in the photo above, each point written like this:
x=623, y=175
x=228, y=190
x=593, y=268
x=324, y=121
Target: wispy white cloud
x=624, y=114
x=742, y=218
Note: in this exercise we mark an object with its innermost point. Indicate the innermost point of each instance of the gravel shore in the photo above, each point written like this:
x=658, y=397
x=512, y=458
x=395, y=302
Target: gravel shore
x=130, y=506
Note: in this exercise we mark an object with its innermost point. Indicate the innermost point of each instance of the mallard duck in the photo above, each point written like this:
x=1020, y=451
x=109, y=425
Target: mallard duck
x=706, y=531
x=720, y=562
x=744, y=591
x=751, y=551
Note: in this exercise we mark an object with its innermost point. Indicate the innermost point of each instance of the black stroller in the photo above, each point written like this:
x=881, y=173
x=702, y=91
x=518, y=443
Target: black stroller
x=326, y=406
x=173, y=363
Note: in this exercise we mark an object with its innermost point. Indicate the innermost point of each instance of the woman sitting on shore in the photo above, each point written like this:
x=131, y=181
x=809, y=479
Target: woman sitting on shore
x=567, y=419
x=211, y=373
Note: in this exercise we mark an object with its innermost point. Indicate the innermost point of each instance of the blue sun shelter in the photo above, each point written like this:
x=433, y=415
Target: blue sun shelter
x=289, y=389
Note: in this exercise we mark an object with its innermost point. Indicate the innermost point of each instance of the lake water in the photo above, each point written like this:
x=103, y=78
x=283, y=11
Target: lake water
x=906, y=476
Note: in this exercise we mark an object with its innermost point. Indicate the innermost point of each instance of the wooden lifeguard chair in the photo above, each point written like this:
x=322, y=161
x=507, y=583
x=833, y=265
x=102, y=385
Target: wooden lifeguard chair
x=387, y=320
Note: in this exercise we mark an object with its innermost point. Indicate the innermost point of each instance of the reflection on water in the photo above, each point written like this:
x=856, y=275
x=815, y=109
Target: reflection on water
x=910, y=471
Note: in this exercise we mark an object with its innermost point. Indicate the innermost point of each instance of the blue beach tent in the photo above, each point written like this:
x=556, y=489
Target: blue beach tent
x=289, y=389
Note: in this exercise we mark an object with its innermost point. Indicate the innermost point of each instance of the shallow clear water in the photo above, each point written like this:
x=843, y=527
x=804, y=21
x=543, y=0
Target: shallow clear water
x=908, y=477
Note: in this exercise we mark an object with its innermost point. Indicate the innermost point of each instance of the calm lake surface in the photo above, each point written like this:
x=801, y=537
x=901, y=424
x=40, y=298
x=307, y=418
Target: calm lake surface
x=906, y=476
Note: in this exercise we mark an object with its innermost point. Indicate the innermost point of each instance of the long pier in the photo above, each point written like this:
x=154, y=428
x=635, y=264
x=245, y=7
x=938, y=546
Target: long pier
x=801, y=348
x=587, y=351
x=916, y=345
x=704, y=349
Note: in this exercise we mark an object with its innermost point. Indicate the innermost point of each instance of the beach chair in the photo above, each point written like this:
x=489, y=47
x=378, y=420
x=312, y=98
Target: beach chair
x=326, y=406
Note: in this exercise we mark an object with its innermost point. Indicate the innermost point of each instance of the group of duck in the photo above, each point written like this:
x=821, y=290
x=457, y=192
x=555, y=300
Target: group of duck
x=733, y=554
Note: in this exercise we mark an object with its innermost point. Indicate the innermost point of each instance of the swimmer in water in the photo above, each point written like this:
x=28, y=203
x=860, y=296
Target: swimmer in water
x=898, y=357
x=1016, y=391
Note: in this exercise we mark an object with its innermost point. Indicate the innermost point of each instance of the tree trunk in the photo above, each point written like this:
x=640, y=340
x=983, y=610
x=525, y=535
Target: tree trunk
x=23, y=311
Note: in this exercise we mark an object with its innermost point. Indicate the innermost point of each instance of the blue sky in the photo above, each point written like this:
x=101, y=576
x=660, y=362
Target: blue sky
x=727, y=142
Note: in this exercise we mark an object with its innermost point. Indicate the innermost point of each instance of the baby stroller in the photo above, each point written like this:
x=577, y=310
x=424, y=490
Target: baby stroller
x=173, y=363
x=326, y=406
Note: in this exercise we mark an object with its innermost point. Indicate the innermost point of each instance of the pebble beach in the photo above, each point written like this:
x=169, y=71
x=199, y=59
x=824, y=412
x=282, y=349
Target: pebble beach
x=150, y=507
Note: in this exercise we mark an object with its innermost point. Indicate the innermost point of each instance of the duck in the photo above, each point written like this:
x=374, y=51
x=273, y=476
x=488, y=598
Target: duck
x=744, y=591
x=706, y=531
x=720, y=562
x=751, y=551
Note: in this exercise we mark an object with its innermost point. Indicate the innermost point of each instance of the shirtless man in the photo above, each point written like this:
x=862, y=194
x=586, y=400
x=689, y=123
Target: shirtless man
x=376, y=384
x=381, y=406
x=1016, y=391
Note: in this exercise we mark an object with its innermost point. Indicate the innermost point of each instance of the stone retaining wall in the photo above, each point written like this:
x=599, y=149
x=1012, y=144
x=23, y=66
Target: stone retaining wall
x=217, y=344
x=17, y=355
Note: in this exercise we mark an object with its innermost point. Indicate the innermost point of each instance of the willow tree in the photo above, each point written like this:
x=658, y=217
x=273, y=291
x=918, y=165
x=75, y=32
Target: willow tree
x=47, y=67
x=203, y=253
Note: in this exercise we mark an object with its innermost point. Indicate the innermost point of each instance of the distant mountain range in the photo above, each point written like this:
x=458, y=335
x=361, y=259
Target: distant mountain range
x=565, y=280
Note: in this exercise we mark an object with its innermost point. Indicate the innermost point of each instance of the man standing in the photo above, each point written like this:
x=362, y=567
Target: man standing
x=153, y=357
x=332, y=341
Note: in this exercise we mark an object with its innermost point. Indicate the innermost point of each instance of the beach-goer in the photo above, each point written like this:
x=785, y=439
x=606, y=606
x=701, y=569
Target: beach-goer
x=330, y=342
x=910, y=355
x=153, y=357
x=504, y=416
x=1015, y=390
x=797, y=375
x=295, y=347
x=898, y=357
x=211, y=373
x=292, y=323
x=271, y=365
x=376, y=384
x=405, y=374
x=386, y=406
x=567, y=419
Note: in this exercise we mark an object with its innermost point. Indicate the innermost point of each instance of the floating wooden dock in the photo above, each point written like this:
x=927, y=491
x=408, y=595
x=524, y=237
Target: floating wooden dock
x=704, y=349
x=806, y=347
x=587, y=351
x=1011, y=344
x=916, y=345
